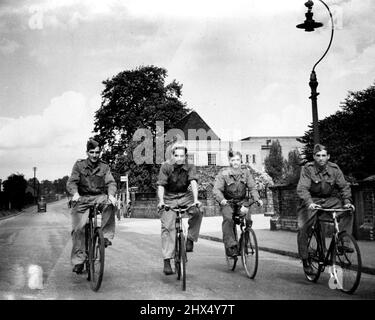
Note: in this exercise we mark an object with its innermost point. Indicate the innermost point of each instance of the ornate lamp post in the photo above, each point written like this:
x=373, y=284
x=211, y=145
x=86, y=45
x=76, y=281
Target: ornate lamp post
x=310, y=25
x=35, y=196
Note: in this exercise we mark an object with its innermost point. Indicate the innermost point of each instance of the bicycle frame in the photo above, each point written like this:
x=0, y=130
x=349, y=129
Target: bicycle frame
x=328, y=259
x=180, y=253
x=238, y=220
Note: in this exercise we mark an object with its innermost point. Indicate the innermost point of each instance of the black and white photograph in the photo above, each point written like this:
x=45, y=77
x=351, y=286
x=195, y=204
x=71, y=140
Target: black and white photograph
x=187, y=155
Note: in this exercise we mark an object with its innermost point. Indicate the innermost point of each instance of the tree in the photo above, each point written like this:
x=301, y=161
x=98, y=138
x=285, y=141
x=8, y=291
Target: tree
x=132, y=100
x=349, y=134
x=292, y=168
x=14, y=189
x=274, y=162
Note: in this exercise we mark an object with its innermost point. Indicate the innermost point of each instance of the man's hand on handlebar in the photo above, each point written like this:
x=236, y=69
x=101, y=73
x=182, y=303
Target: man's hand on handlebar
x=161, y=205
x=76, y=197
x=349, y=206
x=197, y=203
x=224, y=202
x=314, y=206
x=259, y=203
x=112, y=200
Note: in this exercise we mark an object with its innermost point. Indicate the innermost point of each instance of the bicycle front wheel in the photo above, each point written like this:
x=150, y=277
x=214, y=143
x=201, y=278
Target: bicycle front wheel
x=348, y=263
x=249, y=252
x=96, y=259
x=180, y=260
x=313, y=250
x=183, y=262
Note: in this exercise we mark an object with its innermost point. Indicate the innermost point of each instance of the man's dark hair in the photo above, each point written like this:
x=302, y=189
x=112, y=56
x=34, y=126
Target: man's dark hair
x=179, y=146
x=91, y=144
x=232, y=153
x=319, y=147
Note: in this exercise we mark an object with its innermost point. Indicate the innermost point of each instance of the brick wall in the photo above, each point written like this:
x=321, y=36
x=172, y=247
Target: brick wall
x=286, y=201
x=146, y=208
x=364, y=201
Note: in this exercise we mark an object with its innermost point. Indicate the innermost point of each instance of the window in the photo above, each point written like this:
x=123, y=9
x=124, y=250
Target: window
x=254, y=158
x=247, y=158
x=190, y=158
x=211, y=159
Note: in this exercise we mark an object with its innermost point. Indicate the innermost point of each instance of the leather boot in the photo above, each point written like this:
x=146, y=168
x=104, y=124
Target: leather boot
x=167, y=267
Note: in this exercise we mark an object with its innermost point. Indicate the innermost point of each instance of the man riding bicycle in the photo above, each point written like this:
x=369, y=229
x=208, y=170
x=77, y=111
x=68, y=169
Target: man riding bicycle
x=175, y=176
x=90, y=183
x=318, y=181
x=231, y=184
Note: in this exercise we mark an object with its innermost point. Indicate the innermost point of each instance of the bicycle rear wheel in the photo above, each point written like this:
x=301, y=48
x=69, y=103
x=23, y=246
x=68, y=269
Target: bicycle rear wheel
x=249, y=252
x=87, y=241
x=96, y=259
x=348, y=263
x=231, y=260
x=314, y=257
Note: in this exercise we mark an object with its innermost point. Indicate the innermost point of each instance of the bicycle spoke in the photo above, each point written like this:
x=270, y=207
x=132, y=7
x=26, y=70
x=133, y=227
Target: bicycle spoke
x=249, y=252
x=348, y=263
x=96, y=258
x=314, y=258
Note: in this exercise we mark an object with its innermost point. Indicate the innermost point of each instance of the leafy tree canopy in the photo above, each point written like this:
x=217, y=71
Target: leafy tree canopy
x=349, y=135
x=131, y=100
x=14, y=189
x=274, y=162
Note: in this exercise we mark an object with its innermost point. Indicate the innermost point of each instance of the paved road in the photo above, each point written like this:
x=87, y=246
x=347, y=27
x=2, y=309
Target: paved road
x=133, y=266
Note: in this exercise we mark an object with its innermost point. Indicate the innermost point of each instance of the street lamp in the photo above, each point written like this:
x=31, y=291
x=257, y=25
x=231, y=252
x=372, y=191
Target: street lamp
x=310, y=25
x=35, y=197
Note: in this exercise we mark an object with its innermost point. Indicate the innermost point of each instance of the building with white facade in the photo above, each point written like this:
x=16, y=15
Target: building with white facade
x=206, y=148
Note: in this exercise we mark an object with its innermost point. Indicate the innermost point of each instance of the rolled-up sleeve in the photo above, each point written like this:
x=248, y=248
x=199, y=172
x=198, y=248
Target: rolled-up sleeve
x=163, y=175
x=72, y=183
x=192, y=173
x=303, y=187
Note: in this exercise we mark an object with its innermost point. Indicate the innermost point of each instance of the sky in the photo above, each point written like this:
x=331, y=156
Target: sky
x=244, y=67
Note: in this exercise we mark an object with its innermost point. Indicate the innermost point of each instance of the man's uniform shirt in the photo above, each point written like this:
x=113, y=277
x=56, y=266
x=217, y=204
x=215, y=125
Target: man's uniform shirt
x=89, y=179
x=231, y=184
x=176, y=179
x=321, y=183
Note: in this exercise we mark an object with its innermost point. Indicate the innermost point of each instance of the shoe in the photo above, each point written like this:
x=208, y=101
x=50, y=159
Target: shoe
x=78, y=268
x=307, y=267
x=231, y=251
x=189, y=245
x=167, y=267
x=107, y=242
x=341, y=249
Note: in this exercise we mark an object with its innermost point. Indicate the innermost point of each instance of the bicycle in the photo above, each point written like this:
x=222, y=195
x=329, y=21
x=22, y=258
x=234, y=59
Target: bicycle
x=180, y=256
x=95, y=247
x=342, y=257
x=248, y=245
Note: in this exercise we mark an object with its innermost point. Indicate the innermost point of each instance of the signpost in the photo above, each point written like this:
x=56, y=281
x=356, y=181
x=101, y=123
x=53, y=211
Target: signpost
x=126, y=180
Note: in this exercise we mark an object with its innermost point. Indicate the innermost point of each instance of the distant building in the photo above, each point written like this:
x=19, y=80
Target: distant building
x=206, y=148
x=256, y=149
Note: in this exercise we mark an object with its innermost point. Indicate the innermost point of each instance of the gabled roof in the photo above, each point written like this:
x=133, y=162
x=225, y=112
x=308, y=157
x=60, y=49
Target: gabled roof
x=195, y=122
x=270, y=137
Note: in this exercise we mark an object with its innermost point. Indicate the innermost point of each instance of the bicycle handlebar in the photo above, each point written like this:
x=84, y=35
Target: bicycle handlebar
x=93, y=205
x=336, y=210
x=232, y=201
x=178, y=209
